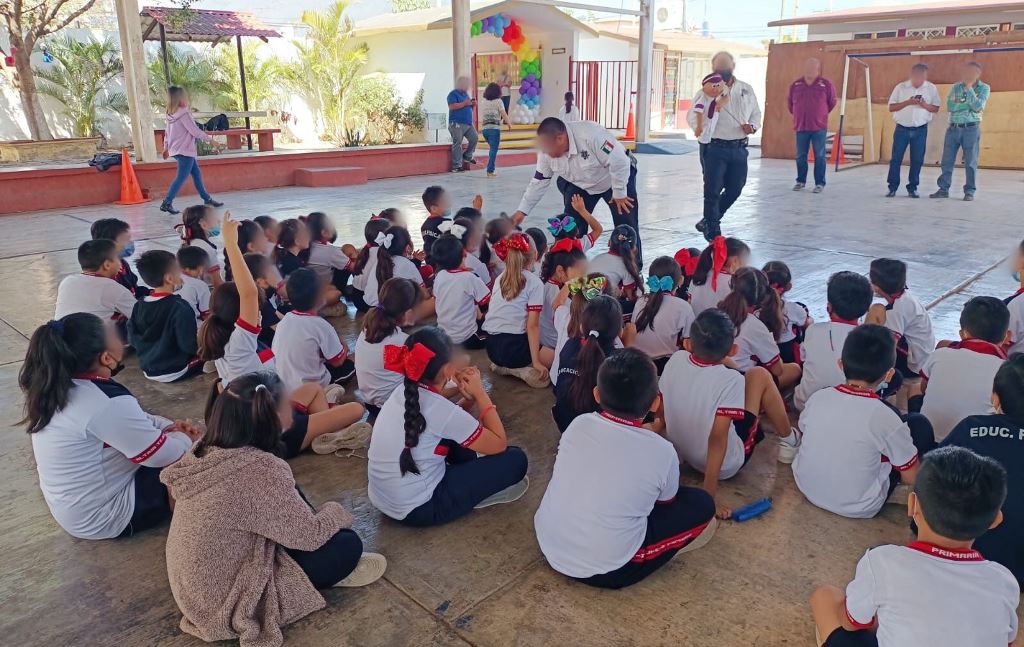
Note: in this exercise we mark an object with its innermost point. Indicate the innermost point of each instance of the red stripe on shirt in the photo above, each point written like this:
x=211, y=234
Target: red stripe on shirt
x=534, y=308
x=473, y=436
x=734, y=414
x=854, y=622
x=647, y=553
x=339, y=357
x=903, y=468
x=485, y=300
x=246, y=326
x=152, y=449
x=265, y=355
x=951, y=554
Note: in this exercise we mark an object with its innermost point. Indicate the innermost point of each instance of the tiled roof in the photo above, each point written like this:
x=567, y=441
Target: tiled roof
x=205, y=25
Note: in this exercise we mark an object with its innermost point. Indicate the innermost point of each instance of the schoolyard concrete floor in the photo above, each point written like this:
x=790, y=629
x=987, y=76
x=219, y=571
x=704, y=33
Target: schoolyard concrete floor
x=482, y=580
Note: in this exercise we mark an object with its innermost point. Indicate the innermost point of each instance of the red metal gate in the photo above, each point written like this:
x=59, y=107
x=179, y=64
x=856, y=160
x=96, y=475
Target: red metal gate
x=604, y=90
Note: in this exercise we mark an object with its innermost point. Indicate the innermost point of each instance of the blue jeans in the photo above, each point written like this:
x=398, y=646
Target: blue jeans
x=493, y=137
x=917, y=140
x=186, y=166
x=969, y=139
x=806, y=139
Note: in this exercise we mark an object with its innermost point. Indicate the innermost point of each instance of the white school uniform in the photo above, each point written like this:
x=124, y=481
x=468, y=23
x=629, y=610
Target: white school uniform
x=196, y=293
x=509, y=316
x=821, y=351
x=393, y=493
x=478, y=267
x=376, y=383
x=561, y=323
x=359, y=280
x=671, y=324
x=244, y=354
x=612, y=266
x=324, y=258
x=757, y=345
x=1016, y=308
x=459, y=294
x=304, y=344
x=212, y=257
x=608, y=476
x=404, y=269
x=704, y=296
x=959, y=383
x=907, y=318
x=924, y=595
x=695, y=393
x=548, y=332
x=89, y=452
x=851, y=443
x=98, y=295
x=794, y=316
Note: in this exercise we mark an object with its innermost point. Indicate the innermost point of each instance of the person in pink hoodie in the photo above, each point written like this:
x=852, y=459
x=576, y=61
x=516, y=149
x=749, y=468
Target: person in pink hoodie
x=180, y=143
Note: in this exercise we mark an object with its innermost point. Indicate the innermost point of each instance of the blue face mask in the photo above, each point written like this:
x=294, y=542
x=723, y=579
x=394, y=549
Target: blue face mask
x=1016, y=276
x=214, y=232
x=128, y=250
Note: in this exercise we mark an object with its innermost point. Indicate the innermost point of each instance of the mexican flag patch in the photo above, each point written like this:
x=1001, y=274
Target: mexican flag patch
x=607, y=147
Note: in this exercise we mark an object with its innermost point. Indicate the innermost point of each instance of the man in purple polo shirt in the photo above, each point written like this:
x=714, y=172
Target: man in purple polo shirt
x=811, y=98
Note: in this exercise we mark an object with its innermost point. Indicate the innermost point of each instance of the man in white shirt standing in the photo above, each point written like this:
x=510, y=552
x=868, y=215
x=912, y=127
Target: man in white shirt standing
x=725, y=158
x=912, y=104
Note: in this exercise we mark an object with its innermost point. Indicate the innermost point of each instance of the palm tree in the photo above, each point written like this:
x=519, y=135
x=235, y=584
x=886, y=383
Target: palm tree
x=262, y=78
x=189, y=69
x=78, y=79
x=326, y=66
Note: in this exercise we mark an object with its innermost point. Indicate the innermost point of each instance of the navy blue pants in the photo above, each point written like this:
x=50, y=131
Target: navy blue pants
x=916, y=139
x=844, y=638
x=332, y=562
x=725, y=175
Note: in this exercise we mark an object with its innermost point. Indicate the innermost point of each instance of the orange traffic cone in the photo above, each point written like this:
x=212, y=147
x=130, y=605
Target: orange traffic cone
x=837, y=152
x=131, y=192
x=630, y=124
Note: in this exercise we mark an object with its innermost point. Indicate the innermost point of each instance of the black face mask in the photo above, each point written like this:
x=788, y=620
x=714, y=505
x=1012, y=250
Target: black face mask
x=725, y=74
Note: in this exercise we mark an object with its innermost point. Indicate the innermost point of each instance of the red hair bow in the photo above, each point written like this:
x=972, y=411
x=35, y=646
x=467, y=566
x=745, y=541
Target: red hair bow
x=410, y=362
x=719, y=254
x=687, y=261
x=567, y=245
x=517, y=242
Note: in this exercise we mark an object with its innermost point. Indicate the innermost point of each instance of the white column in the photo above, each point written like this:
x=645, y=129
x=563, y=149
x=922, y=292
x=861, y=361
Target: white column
x=461, y=58
x=645, y=64
x=136, y=84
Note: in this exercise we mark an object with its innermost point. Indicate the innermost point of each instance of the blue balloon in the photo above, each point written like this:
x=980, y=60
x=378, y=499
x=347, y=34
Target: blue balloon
x=499, y=32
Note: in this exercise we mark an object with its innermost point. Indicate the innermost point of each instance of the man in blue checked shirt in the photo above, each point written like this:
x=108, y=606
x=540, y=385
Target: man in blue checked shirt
x=966, y=102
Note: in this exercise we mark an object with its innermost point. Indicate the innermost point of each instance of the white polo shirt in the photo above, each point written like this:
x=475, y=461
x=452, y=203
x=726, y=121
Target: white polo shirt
x=324, y=258
x=196, y=293
x=393, y=493
x=914, y=116
x=509, y=316
x=695, y=393
x=611, y=265
x=960, y=381
x=212, y=256
x=359, y=280
x=1016, y=308
x=852, y=441
x=376, y=383
x=671, y=324
x=548, y=332
x=757, y=345
x=404, y=269
x=924, y=595
x=478, y=267
x=459, y=294
x=907, y=318
x=608, y=476
x=821, y=351
x=244, y=353
x=704, y=296
x=304, y=344
x=794, y=317
x=562, y=328
x=98, y=295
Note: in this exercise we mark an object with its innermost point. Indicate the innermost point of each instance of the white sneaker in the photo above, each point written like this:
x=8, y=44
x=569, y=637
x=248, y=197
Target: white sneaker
x=508, y=495
x=334, y=393
x=531, y=376
x=370, y=568
x=354, y=436
x=789, y=446
x=500, y=370
x=209, y=367
x=702, y=539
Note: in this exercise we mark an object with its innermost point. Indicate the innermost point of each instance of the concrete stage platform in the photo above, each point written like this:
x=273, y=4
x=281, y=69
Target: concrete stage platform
x=482, y=581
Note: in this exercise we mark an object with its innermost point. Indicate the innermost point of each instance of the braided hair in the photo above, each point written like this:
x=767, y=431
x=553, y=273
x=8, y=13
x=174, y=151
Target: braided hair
x=437, y=341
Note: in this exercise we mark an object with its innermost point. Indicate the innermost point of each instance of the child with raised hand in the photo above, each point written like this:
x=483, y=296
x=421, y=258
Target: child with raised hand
x=564, y=262
x=199, y=223
x=614, y=511
x=94, y=290
x=714, y=270
x=756, y=312
x=956, y=379
x=273, y=549
x=382, y=327
x=856, y=449
x=394, y=259
x=582, y=356
x=619, y=265
x=662, y=319
x=468, y=233
x=938, y=591
x=849, y=297
x=908, y=320
x=512, y=322
x=460, y=294
x=97, y=452
x=566, y=225
x=120, y=232
x=795, y=316
x=162, y=328
x=711, y=411
x=424, y=468
x=292, y=251
x=997, y=435
x=263, y=272
x=194, y=290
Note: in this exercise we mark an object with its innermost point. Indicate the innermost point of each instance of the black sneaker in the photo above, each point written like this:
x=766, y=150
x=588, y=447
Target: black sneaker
x=169, y=208
x=343, y=373
x=968, y=197
x=213, y=203
x=701, y=225
x=940, y=194
x=912, y=194
x=891, y=193
x=458, y=170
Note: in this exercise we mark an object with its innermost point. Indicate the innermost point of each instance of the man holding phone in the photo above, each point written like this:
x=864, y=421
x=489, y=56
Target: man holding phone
x=460, y=124
x=912, y=104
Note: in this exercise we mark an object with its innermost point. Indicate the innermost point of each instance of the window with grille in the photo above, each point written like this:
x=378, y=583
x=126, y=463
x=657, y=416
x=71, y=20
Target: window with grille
x=926, y=33
x=976, y=30
x=863, y=36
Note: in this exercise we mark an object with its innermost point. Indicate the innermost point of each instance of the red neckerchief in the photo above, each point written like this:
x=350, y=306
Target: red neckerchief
x=622, y=421
x=159, y=295
x=980, y=346
x=856, y=390
x=950, y=554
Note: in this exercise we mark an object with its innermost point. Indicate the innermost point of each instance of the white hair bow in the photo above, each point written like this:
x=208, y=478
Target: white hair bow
x=450, y=227
x=384, y=240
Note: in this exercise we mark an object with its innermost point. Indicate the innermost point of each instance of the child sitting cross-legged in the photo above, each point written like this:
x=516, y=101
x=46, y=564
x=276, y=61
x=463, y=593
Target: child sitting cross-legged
x=430, y=460
x=459, y=293
x=709, y=284
x=620, y=266
x=938, y=591
x=795, y=317
x=711, y=411
x=614, y=511
x=582, y=356
x=264, y=273
x=194, y=288
x=470, y=235
x=382, y=327
x=162, y=328
x=394, y=256
x=856, y=449
x=365, y=264
x=562, y=263
x=95, y=290
x=120, y=232
x=662, y=319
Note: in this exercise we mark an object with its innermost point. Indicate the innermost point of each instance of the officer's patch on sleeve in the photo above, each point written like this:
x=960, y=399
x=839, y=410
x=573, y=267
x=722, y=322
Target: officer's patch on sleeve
x=607, y=147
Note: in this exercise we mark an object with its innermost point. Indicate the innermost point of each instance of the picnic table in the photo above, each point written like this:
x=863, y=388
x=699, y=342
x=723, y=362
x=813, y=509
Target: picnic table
x=264, y=136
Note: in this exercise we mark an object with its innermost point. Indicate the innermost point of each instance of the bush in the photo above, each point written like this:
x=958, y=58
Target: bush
x=378, y=110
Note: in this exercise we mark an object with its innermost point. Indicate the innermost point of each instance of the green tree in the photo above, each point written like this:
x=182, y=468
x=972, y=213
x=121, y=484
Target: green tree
x=189, y=69
x=401, y=6
x=262, y=78
x=78, y=79
x=327, y=63
x=380, y=112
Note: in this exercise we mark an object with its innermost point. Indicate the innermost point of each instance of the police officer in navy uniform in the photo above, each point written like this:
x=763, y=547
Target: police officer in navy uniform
x=589, y=161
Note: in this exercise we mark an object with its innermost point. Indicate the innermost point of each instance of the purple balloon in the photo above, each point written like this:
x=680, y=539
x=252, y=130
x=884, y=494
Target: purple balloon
x=530, y=77
x=532, y=92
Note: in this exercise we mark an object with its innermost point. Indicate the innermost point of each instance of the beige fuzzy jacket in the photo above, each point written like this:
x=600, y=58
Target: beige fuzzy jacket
x=236, y=511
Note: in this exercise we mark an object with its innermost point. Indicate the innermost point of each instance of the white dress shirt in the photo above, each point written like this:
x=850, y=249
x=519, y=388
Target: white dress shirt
x=741, y=108
x=914, y=116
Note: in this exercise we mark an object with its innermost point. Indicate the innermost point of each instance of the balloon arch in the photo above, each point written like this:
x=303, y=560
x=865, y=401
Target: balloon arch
x=511, y=33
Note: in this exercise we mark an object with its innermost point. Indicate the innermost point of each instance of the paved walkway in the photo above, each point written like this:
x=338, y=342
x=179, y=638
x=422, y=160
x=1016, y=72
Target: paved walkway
x=482, y=580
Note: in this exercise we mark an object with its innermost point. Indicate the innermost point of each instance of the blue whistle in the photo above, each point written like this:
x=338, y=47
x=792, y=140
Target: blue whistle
x=752, y=511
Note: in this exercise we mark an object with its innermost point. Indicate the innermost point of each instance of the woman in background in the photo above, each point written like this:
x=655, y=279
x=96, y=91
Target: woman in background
x=569, y=112
x=492, y=114
x=180, y=143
